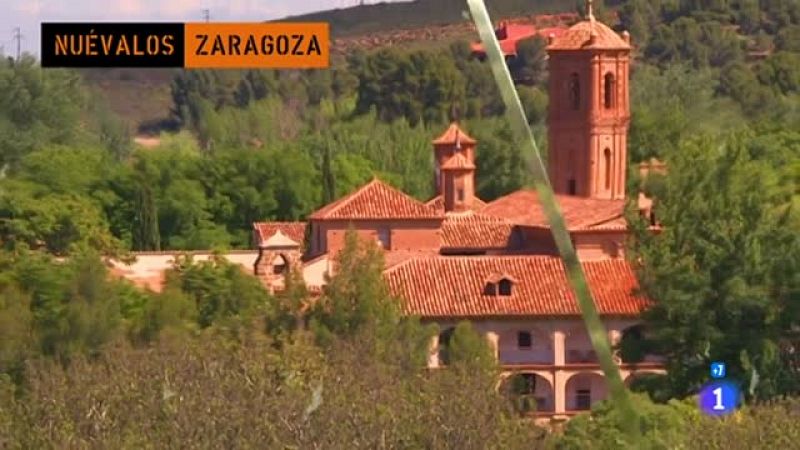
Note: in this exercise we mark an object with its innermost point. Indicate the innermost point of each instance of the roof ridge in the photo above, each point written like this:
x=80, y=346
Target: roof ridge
x=385, y=190
x=409, y=197
x=608, y=219
x=338, y=204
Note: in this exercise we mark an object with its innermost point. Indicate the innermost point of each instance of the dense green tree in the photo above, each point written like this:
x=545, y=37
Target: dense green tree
x=223, y=293
x=37, y=108
x=356, y=296
x=739, y=81
x=469, y=350
x=529, y=66
x=502, y=168
x=146, y=235
x=723, y=272
x=781, y=71
x=661, y=426
x=418, y=86
x=59, y=223
x=671, y=104
x=788, y=39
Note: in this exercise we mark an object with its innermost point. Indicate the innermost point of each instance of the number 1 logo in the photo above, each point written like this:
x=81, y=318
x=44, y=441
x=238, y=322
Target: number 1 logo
x=718, y=398
x=718, y=405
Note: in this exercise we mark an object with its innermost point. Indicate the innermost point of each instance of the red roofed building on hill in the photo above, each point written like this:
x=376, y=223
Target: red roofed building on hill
x=458, y=257
x=510, y=34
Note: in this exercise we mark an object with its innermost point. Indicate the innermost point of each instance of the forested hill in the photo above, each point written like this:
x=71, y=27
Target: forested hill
x=383, y=17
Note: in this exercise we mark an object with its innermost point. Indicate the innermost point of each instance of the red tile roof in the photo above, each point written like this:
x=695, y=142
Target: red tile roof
x=392, y=258
x=376, y=200
x=438, y=203
x=293, y=230
x=509, y=35
x=471, y=230
x=523, y=208
x=454, y=134
x=578, y=37
x=458, y=162
x=455, y=286
x=615, y=224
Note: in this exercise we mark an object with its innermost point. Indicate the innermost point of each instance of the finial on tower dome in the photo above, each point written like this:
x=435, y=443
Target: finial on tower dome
x=589, y=10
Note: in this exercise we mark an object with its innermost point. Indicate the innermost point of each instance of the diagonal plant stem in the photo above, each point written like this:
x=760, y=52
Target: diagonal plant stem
x=577, y=279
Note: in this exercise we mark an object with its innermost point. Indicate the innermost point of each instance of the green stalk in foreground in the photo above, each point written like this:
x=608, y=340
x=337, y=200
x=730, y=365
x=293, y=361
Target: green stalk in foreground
x=577, y=279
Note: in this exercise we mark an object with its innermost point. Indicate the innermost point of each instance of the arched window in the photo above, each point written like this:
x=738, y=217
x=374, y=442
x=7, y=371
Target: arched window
x=574, y=92
x=607, y=157
x=279, y=265
x=610, y=88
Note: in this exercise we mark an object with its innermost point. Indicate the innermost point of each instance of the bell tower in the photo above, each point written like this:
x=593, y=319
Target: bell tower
x=589, y=110
x=454, y=168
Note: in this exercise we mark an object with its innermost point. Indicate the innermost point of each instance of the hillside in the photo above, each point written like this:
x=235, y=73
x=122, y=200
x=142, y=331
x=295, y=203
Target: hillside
x=385, y=17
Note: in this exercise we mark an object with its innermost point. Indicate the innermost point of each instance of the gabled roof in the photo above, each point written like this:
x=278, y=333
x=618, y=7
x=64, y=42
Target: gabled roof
x=523, y=208
x=448, y=286
x=578, y=37
x=458, y=162
x=452, y=135
x=376, y=200
x=471, y=230
x=438, y=203
x=500, y=276
x=279, y=240
x=293, y=230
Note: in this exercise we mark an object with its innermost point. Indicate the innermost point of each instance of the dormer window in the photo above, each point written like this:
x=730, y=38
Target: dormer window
x=499, y=285
x=504, y=287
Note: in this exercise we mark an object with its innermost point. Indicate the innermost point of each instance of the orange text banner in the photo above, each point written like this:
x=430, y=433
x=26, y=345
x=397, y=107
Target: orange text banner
x=277, y=45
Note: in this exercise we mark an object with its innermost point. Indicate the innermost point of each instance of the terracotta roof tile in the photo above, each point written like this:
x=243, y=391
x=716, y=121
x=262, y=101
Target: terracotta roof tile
x=293, y=230
x=578, y=37
x=473, y=230
x=455, y=287
x=438, y=203
x=510, y=34
x=523, y=208
x=615, y=224
x=454, y=134
x=376, y=200
x=392, y=258
x=458, y=162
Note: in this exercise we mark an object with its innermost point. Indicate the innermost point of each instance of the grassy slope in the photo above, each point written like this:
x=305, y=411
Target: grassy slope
x=142, y=96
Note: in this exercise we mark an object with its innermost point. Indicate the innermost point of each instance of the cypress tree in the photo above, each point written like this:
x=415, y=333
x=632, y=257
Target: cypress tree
x=146, y=234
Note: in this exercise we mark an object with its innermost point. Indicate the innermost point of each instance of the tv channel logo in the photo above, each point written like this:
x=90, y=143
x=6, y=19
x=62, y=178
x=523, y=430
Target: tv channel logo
x=718, y=398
